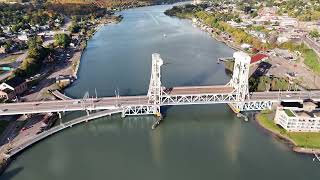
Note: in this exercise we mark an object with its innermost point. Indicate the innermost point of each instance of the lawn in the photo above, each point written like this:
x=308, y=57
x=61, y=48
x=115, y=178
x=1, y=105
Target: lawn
x=301, y=139
x=289, y=113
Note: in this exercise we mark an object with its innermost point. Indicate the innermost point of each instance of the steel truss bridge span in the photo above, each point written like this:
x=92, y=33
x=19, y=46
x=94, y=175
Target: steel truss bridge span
x=235, y=93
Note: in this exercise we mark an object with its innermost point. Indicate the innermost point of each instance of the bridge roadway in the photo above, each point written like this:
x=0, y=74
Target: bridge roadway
x=123, y=101
x=38, y=137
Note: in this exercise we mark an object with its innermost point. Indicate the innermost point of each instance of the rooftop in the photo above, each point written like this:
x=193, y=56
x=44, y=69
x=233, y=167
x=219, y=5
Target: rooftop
x=257, y=58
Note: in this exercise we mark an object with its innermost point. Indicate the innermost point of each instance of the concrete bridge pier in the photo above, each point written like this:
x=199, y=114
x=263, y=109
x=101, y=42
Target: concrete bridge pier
x=60, y=115
x=123, y=114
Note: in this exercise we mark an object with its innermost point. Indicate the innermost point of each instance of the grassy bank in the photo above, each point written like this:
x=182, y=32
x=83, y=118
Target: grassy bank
x=311, y=58
x=305, y=140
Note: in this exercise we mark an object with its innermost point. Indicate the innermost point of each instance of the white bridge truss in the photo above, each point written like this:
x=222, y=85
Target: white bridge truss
x=238, y=99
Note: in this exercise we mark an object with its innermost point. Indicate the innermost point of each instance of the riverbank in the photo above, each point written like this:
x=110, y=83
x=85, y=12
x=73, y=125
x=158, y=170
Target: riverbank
x=71, y=69
x=213, y=32
x=114, y=19
x=307, y=143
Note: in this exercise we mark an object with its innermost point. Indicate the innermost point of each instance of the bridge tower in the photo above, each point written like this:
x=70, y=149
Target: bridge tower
x=240, y=77
x=154, y=92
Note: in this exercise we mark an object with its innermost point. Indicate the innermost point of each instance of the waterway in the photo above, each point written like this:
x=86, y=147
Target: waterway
x=193, y=142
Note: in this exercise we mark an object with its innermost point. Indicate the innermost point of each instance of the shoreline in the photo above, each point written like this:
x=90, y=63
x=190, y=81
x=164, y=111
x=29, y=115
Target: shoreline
x=289, y=142
x=213, y=34
x=76, y=64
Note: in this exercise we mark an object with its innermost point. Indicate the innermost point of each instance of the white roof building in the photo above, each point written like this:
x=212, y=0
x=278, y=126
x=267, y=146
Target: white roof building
x=295, y=119
x=23, y=37
x=245, y=46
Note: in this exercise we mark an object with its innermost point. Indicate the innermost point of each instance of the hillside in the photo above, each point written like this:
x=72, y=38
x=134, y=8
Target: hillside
x=112, y=3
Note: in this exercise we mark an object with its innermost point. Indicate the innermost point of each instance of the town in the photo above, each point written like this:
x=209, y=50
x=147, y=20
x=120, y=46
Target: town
x=283, y=39
x=41, y=45
x=40, y=53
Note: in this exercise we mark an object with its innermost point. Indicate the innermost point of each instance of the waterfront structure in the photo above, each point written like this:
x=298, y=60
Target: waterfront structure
x=299, y=119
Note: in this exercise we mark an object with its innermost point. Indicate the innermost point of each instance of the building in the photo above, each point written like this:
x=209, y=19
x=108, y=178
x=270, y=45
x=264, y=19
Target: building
x=64, y=79
x=13, y=87
x=7, y=94
x=195, y=2
x=3, y=50
x=23, y=37
x=245, y=46
x=296, y=119
x=258, y=58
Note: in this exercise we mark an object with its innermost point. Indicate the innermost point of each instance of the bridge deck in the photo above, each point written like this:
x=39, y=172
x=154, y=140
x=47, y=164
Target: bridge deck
x=114, y=102
x=199, y=90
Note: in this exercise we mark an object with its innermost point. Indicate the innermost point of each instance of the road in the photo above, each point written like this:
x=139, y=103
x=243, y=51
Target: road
x=17, y=147
x=115, y=102
x=312, y=44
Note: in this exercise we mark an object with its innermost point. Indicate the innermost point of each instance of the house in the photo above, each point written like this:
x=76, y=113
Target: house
x=17, y=85
x=23, y=37
x=258, y=58
x=61, y=79
x=245, y=46
x=3, y=50
x=282, y=39
x=7, y=94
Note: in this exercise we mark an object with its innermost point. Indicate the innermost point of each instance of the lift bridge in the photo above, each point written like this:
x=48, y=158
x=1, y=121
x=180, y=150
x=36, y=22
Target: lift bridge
x=235, y=93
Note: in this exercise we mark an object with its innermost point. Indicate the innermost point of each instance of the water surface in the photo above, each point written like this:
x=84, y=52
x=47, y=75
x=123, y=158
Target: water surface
x=193, y=142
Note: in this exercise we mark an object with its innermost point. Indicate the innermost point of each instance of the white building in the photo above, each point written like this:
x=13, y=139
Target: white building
x=288, y=21
x=23, y=37
x=294, y=119
x=195, y=2
x=245, y=46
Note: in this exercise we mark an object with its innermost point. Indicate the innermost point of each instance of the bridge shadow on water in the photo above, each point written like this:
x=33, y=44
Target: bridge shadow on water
x=10, y=174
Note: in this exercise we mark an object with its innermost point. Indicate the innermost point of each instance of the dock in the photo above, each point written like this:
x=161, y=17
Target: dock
x=225, y=59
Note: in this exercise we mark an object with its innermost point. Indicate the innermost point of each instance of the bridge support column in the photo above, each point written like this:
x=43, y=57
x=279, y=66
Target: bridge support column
x=123, y=114
x=60, y=115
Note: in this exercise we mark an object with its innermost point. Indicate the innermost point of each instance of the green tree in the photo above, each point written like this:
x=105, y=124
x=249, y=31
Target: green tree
x=34, y=42
x=314, y=33
x=62, y=40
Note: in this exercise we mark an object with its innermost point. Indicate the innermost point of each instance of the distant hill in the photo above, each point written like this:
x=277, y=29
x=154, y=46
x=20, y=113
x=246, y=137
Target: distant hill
x=110, y=3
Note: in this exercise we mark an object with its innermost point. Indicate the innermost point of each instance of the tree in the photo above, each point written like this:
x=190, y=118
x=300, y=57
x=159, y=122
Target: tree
x=33, y=53
x=1, y=32
x=74, y=28
x=62, y=40
x=314, y=33
x=34, y=42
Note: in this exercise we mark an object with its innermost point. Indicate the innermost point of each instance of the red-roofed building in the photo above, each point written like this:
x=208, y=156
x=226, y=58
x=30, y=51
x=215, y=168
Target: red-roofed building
x=258, y=58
